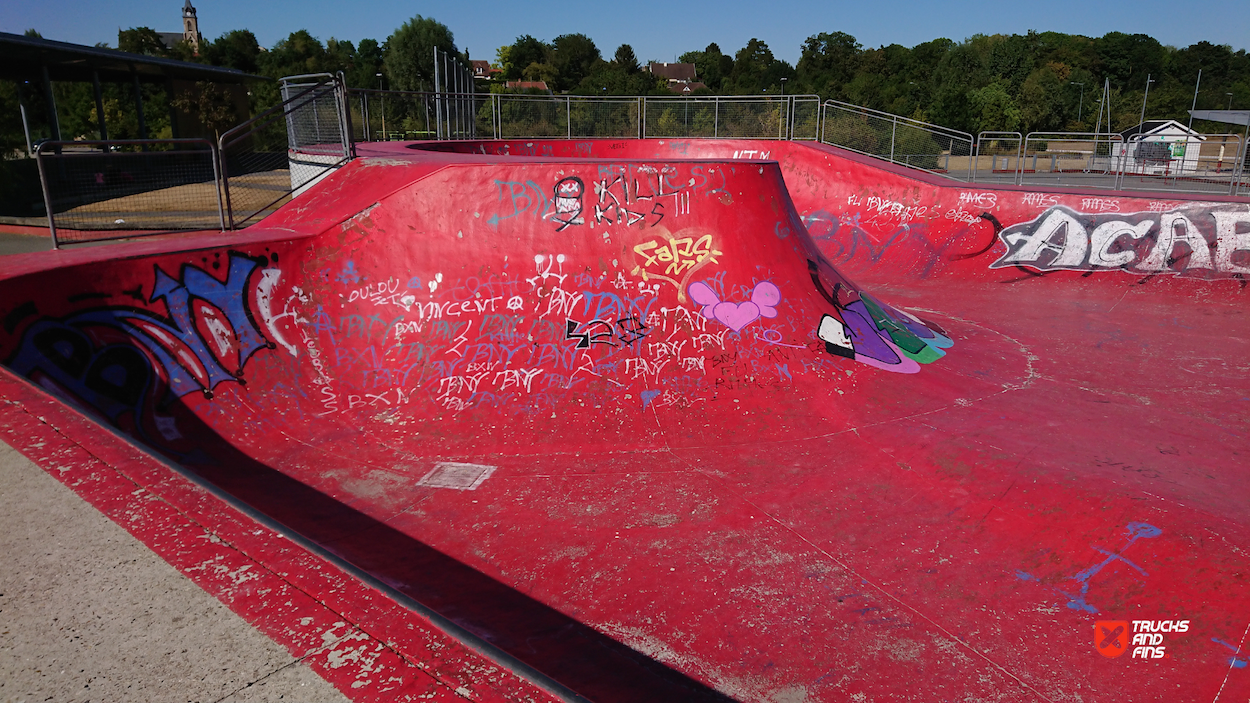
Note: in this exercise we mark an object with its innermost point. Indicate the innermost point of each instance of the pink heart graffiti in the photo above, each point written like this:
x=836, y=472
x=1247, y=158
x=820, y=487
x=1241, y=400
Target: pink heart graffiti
x=735, y=316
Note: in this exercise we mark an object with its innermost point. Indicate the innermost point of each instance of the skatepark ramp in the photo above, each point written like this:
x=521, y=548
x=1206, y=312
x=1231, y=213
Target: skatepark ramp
x=704, y=418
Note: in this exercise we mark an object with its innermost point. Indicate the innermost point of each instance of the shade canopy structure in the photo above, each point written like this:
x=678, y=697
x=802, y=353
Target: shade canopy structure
x=26, y=58
x=1237, y=117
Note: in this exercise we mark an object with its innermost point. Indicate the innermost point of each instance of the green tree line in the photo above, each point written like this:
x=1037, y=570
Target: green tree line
x=1027, y=82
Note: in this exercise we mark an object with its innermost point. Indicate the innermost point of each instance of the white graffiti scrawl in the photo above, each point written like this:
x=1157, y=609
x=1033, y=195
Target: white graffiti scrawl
x=1188, y=240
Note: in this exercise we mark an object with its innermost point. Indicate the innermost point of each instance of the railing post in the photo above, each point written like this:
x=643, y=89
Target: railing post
x=568, y=115
x=47, y=194
x=438, y=107
x=893, y=136
x=494, y=115
x=642, y=117
x=221, y=210
x=228, y=222
x=716, y=118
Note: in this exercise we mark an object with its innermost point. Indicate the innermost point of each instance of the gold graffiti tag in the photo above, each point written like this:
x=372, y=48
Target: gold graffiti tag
x=677, y=256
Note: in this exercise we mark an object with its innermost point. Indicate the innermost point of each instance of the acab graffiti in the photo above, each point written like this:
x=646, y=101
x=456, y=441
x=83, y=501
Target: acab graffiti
x=1214, y=240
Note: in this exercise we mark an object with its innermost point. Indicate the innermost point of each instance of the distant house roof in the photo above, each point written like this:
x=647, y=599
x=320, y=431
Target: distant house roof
x=171, y=39
x=1152, y=127
x=23, y=58
x=687, y=88
x=679, y=72
x=528, y=85
x=482, y=69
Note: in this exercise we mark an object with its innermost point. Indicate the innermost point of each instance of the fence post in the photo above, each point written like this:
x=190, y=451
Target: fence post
x=217, y=184
x=642, y=117
x=225, y=183
x=494, y=115
x=47, y=194
x=716, y=118
x=893, y=136
x=438, y=106
x=345, y=115
x=568, y=115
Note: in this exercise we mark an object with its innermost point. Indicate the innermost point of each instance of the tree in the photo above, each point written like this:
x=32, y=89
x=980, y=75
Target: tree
x=409, y=57
x=526, y=50
x=626, y=59
x=237, y=49
x=573, y=56
x=210, y=104
x=141, y=40
x=298, y=54
x=994, y=109
x=828, y=62
x=369, y=63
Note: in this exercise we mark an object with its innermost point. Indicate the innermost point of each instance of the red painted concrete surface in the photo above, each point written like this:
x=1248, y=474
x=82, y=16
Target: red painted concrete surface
x=662, y=373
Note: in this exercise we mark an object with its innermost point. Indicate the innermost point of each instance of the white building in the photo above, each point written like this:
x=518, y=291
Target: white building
x=1159, y=147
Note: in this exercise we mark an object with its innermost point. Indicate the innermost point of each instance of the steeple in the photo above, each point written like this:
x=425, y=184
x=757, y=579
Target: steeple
x=190, y=26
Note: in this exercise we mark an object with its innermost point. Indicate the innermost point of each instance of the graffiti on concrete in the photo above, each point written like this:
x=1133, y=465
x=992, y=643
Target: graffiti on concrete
x=735, y=316
x=674, y=258
x=871, y=332
x=568, y=201
x=119, y=359
x=1076, y=601
x=1194, y=241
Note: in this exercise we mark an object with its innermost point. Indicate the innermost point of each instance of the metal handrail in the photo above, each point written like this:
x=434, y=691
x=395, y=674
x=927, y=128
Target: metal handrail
x=106, y=145
x=240, y=132
x=895, y=121
x=993, y=136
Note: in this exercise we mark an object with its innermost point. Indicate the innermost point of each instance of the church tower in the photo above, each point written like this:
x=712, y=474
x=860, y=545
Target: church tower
x=190, y=26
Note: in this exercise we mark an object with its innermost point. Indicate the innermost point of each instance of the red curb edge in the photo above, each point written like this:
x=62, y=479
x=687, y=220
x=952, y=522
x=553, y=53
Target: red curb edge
x=354, y=636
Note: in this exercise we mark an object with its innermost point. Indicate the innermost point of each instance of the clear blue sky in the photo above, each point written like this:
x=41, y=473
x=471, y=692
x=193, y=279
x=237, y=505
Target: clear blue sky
x=657, y=30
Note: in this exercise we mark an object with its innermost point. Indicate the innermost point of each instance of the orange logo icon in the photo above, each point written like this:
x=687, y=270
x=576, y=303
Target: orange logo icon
x=1111, y=637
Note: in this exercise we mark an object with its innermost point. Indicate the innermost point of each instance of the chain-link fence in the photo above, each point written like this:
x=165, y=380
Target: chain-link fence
x=285, y=149
x=100, y=190
x=897, y=139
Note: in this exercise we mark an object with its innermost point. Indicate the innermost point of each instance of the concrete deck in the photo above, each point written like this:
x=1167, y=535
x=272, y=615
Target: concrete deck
x=88, y=613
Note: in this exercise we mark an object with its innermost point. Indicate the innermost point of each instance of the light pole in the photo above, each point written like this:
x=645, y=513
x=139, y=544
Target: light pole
x=1081, y=104
x=383, y=98
x=783, y=86
x=1143, y=100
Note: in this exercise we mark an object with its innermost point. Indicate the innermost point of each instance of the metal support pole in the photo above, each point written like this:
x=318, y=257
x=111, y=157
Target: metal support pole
x=1194, y=106
x=47, y=195
x=1240, y=171
x=221, y=210
x=1143, y=100
x=21, y=106
x=642, y=117
x=143, y=125
x=438, y=112
x=568, y=115
x=101, y=125
x=228, y=221
x=53, y=120
x=716, y=117
x=893, y=134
